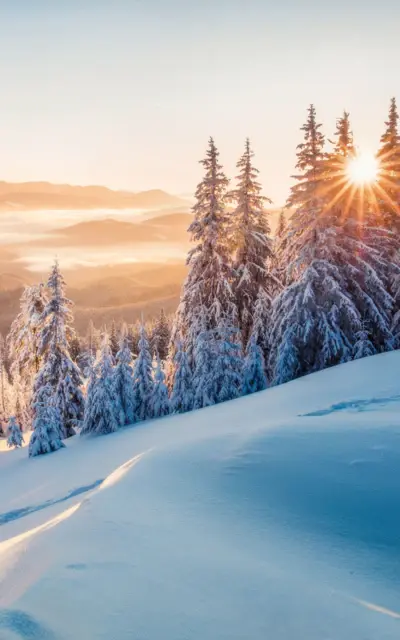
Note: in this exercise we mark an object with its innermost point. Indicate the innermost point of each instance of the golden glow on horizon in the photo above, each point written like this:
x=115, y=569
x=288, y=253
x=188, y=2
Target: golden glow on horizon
x=363, y=169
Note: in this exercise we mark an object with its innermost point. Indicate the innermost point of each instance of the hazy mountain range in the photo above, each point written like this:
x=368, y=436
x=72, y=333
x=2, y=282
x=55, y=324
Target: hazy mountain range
x=121, y=253
x=45, y=195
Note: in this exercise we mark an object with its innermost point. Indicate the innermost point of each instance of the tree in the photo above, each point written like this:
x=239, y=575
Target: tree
x=182, y=391
x=142, y=378
x=24, y=336
x=228, y=367
x=312, y=323
x=5, y=390
x=262, y=322
x=251, y=242
x=46, y=424
x=161, y=336
x=204, y=387
x=314, y=319
x=114, y=340
x=159, y=401
x=254, y=378
x=208, y=283
x=123, y=382
x=101, y=409
x=363, y=347
x=15, y=437
x=279, y=248
x=58, y=371
x=389, y=160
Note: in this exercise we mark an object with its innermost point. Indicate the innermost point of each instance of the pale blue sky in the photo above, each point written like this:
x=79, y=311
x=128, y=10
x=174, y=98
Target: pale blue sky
x=126, y=92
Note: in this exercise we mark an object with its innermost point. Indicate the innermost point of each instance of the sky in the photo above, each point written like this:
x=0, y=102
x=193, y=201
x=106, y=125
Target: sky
x=125, y=93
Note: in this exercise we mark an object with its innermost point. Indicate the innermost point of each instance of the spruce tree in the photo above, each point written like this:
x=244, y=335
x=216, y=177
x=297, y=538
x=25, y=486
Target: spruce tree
x=262, y=322
x=57, y=368
x=15, y=437
x=228, y=365
x=208, y=283
x=46, y=423
x=389, y=178
x=254, y=378
x=114, y=339
x=159, y=401
x=161, y=336
x=142, y=378
x=204, y=386
x=101, y=411
x=182, y=392
x=314, y=319
x=123, y=382
x=251, y=242
x=363, y=347
x=24, y=336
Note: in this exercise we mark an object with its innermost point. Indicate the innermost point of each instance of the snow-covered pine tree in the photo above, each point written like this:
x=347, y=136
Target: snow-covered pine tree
x=23, y=414
x=114, y=339
x=251, y=242
x=358, y=246
x=5, y=388
x=15, y=437
x=23, y=339
x=101, y=410
x=181, y=399
x=123, y=382
x=204, y=383
x=58, y=371
x=363, y=347
x=228, y=365
x=46, y=423
x=143, y=382
x=279, y=246
x=159, y=401
x=314, y=320
x=161, y=336
x=262, y=322
x=254, y=378
x=208, y=283
x=389, y=179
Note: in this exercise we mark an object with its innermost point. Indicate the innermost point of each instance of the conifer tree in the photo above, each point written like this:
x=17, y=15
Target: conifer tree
x=46, y=423
x=159, y=402
x=389, y=160
x=114, y=340
x=262, y=322
x=363, y=347
x=15, y=437
x=228, y=366
x=142, y=378
x=161, y=336
x=123, y=382
x=24, y=336
x=254, y=378
x=58, y=371
x=208, y=283
x=251, y=242
x=182, y=392
x=204, y=386
x=314, y=319
x=101, y=410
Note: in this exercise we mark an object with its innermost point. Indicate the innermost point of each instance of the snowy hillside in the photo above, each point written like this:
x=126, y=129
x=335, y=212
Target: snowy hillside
x=272, y=517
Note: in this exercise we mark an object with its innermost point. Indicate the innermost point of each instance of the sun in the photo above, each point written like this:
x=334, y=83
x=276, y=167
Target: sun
x=363, y=169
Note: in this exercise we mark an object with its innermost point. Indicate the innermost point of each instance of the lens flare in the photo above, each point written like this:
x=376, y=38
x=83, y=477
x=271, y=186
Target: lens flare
x=363, y=169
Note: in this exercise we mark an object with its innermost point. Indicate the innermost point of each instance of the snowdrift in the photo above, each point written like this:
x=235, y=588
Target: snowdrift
x=275, y=516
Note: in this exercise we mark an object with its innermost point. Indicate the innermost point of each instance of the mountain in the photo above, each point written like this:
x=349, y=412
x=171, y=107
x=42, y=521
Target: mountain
x=167, y=228
x=275, y=516
x=45, y=195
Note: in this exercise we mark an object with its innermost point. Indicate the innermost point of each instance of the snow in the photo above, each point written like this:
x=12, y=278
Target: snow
x=275, y=516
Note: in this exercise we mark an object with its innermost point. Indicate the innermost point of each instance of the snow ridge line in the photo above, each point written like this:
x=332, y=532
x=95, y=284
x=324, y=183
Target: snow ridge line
x=112, y=479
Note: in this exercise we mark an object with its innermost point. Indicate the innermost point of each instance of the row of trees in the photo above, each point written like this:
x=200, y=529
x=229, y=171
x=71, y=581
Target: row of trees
x=254, y=309
x=325, y=290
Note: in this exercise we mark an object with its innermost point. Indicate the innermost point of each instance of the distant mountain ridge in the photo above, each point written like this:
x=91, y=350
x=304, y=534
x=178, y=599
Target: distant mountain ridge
x=46, y=195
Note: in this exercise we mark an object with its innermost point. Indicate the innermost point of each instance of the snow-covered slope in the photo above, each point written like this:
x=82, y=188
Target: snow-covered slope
x=275, y=517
